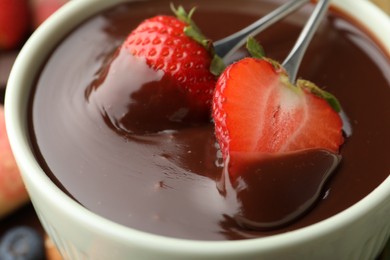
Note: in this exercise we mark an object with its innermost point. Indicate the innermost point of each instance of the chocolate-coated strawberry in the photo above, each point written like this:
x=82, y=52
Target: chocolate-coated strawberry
x=257, y=109
x=177, y=47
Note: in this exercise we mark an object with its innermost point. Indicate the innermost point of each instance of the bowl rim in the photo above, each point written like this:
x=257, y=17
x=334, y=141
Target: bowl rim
x=15, y=109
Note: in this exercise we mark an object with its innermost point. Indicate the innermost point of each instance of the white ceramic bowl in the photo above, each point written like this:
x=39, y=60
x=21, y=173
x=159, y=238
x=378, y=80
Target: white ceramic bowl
x=356, y=233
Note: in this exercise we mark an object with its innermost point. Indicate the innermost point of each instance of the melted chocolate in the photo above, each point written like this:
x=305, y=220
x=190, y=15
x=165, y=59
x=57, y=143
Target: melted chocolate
x=144, y=101
x=165, y=181
x=271, y=191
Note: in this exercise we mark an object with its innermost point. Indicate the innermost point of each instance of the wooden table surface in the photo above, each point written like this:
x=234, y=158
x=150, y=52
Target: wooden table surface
x=383, y=4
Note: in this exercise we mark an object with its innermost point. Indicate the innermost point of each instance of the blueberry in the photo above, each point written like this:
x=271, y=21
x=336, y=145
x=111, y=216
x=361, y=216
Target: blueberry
x=22, y=243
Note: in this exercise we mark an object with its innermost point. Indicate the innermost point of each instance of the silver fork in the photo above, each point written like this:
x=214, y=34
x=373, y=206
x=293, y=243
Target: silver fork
x=228, y=45
x=294, y=58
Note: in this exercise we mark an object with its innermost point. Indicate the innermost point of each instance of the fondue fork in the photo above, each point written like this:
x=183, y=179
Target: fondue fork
x=228, y=45
x=294, y=58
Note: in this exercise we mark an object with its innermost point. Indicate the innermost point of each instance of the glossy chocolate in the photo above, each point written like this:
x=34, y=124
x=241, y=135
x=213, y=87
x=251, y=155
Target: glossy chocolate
x=166, y=181
x=271, y=191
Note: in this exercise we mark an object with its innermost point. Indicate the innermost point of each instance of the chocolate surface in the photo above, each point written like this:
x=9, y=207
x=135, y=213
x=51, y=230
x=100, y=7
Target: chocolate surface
x=274, y=190
x=165, y=182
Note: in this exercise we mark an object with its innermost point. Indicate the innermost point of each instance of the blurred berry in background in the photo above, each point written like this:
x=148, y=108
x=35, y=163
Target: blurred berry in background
x=18, y=18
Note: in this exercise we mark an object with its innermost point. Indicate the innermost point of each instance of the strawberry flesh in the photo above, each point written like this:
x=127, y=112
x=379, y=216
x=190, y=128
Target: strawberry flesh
x=256, y=109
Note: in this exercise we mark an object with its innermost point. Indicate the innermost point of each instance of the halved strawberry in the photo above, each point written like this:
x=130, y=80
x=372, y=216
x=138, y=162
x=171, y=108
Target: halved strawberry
x=176, y=46
x=257, y=109
x=280, y=141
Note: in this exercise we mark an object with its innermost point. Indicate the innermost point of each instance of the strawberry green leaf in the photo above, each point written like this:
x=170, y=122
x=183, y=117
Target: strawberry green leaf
x=254, y=48
x=313, y=88
x=181, y=13
x=192, y=30
x=197, y=36
x=217, y=65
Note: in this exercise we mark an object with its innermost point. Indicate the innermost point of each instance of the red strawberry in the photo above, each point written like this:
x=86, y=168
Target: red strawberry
x=176, y=46
x=14, y=22
x=42, y=9
x=12, y=191
x=257, y=109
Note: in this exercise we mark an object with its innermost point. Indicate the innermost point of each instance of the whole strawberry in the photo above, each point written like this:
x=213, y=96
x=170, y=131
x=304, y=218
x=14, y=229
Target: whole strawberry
x=257, y=109
x=14, y=22
x=176, y=46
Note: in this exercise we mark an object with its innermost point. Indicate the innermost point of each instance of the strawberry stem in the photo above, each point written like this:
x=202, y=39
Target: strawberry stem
x=192, y=30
